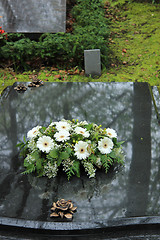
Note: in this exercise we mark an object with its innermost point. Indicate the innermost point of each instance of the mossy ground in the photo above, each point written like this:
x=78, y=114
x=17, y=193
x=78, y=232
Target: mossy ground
x=134, y=45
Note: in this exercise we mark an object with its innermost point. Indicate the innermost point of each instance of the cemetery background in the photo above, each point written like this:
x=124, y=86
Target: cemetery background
x=133, y=43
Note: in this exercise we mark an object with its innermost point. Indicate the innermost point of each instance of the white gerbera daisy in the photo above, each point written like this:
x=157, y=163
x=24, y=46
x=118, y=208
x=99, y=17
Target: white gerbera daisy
x=81, y=150
x=83, y=131
x=111, y=133
x=62, y=125
x=45, y=144
x=105, y=145
x=33, y=132
x=62, y=136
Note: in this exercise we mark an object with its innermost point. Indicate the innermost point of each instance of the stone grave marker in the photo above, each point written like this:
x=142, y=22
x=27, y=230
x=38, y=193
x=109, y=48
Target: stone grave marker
x=33, y=16
x=92, y=62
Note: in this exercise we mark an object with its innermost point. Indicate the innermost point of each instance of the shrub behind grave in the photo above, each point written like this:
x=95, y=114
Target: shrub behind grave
x=62, y=49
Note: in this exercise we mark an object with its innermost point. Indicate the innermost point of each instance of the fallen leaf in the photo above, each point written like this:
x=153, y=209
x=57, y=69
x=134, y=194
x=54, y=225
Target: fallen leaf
x=58, y=76
x=54, y=69
x=124, y=50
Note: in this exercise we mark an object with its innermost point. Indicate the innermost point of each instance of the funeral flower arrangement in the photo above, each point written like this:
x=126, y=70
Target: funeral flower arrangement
x=70, y=146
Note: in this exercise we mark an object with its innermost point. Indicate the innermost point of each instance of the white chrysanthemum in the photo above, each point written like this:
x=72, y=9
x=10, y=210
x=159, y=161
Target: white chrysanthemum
x=33, y=132
x=45, y=144
x=83, y=131
x=62, y=136
x=111, y=133
x=63, y=125
x=105, y=145
x=81, y=150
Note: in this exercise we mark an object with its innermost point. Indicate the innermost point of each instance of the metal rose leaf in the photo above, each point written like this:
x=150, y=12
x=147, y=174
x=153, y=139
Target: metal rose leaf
x=53, y=208
x=73, y=209
x=54, y=205
x=54, y=214
x=68, y=215
x=71, y=205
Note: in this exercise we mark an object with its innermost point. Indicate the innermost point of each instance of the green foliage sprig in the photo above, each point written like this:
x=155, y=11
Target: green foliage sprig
x=70, y=146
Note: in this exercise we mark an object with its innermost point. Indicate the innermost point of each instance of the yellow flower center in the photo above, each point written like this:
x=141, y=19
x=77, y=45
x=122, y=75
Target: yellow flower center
x=81, y=132
x=82, y=150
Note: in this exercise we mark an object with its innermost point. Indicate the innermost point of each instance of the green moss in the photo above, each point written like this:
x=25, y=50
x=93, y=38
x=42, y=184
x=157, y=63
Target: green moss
x=139, y=36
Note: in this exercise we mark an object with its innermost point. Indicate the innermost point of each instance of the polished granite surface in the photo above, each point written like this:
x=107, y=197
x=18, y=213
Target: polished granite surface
x=127, y=196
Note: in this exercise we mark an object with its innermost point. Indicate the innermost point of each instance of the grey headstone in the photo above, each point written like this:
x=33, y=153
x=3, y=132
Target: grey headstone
x=92, y=62
x=30, y=16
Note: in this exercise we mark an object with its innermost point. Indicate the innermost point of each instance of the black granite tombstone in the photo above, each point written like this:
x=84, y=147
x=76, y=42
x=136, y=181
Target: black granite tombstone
x=33, y=16
x=126, y=197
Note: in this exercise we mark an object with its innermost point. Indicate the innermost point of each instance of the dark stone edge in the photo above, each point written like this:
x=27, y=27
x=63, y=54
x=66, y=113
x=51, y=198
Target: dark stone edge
x=12, y=224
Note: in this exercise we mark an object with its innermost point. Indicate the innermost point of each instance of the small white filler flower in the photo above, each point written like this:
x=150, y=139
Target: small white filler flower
x=81, y=150
x=83, y=131
x=45, y=144
x=105, y=145
x=33, y=132
x=111, y=133
x=62, y=136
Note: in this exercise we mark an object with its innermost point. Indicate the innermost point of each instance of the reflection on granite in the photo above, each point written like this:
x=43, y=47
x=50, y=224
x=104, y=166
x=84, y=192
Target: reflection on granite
x=131, y=191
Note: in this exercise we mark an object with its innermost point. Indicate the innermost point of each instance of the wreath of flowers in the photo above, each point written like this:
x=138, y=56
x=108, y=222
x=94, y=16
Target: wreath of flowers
x=68, y=145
